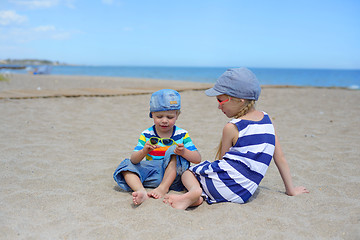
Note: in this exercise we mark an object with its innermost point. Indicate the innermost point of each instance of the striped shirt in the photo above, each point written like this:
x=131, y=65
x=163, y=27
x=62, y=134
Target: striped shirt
x=236, y=177
x=179, y=136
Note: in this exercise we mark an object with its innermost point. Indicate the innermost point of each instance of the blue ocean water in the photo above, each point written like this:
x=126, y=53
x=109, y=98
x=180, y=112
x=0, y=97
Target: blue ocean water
x=266, y=76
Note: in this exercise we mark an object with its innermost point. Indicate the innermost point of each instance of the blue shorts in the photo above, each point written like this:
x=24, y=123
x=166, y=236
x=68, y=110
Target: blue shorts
x=151, y=173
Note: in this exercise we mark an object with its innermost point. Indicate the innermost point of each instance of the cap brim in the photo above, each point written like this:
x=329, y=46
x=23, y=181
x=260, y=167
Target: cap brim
x=212, y=92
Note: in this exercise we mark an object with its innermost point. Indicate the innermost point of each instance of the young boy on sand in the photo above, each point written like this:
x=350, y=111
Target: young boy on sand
x=167, y=150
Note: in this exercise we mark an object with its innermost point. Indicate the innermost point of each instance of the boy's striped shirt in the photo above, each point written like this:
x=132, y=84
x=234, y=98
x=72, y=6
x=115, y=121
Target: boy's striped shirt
x=179, y=136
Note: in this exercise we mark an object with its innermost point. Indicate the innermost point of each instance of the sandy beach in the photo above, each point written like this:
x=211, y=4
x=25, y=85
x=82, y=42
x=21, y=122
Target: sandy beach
x=58, y=152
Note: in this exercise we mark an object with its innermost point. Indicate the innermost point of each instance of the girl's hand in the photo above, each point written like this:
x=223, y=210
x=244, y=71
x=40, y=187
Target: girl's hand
x=180, y=149
x=297, y=191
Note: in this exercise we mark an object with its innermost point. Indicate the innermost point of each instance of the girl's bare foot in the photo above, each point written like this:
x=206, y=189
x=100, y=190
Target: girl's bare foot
x=139, y=197
x=182, y=201
x=157, y=193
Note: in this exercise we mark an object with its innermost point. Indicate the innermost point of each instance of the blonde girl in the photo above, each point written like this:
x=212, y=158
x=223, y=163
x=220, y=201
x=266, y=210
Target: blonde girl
x=248, y=144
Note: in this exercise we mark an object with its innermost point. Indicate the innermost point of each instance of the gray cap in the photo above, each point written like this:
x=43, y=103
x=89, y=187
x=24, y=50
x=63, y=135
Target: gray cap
x=236, y=82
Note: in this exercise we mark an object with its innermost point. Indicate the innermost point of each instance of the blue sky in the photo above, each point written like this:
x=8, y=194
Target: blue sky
x=226, y=33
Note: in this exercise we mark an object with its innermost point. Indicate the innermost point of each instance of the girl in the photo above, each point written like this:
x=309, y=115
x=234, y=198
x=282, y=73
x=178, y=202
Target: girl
x=247, y=146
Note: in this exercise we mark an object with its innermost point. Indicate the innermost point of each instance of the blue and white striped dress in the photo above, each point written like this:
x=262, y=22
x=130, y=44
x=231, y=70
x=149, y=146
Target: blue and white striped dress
x=236, y=177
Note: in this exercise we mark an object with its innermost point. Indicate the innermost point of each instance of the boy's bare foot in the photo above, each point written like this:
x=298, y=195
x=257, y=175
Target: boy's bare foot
x=182, y=201
x=157, y=193
x=139, y=197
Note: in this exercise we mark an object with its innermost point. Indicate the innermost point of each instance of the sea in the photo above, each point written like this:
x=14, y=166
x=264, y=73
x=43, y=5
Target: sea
x=267, y=76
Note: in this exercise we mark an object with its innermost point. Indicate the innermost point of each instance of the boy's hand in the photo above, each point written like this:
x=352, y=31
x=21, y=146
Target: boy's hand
x=180, y=149
x=149, y=147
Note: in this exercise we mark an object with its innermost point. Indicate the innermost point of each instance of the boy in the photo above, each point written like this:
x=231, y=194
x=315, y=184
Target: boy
x=167, y=150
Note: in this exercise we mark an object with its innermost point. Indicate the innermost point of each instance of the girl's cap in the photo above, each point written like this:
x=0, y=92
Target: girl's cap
x=236, y=82
x=164, y=100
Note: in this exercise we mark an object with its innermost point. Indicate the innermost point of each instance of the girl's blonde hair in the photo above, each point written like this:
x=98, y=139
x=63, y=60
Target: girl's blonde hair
x=247, y=106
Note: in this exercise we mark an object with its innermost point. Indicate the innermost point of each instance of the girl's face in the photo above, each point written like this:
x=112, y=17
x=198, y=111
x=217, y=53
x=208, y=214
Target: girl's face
x=164, y=121
x=229, y=106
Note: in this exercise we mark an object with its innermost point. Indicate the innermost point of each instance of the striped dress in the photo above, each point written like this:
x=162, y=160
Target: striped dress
x=179, y=136
x=236, y=177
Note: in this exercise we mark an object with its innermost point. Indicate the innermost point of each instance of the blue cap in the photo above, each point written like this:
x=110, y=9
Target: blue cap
x=164, y=100
x=236, y=82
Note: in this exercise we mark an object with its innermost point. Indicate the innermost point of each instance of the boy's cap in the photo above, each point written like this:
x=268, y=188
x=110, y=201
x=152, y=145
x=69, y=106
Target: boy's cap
x=164, y=100
x=236, y=82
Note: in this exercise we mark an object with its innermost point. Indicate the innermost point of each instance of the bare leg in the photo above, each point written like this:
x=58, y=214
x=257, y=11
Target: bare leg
x=169, y=177
x=133, y=180
x=190, y=199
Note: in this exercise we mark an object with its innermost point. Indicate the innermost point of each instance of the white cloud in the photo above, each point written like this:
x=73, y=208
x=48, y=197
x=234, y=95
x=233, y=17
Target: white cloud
x=8, y=17
x=61, y=36
x=45, y=28
x=49, y=32
x=34, y=4
x=25, y=35
x=109, y=2
x=112, y=2
x=70, y=4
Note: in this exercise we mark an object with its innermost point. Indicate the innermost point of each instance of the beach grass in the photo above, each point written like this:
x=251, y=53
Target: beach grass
x=3, y=78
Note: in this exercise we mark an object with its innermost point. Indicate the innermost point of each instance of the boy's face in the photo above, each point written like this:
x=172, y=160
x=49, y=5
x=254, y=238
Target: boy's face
x=165, y=120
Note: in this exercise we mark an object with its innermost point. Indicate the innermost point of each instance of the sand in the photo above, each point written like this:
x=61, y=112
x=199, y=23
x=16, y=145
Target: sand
x=58, y=155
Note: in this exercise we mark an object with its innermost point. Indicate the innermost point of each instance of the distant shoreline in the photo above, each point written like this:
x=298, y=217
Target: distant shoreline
x=292, y=77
